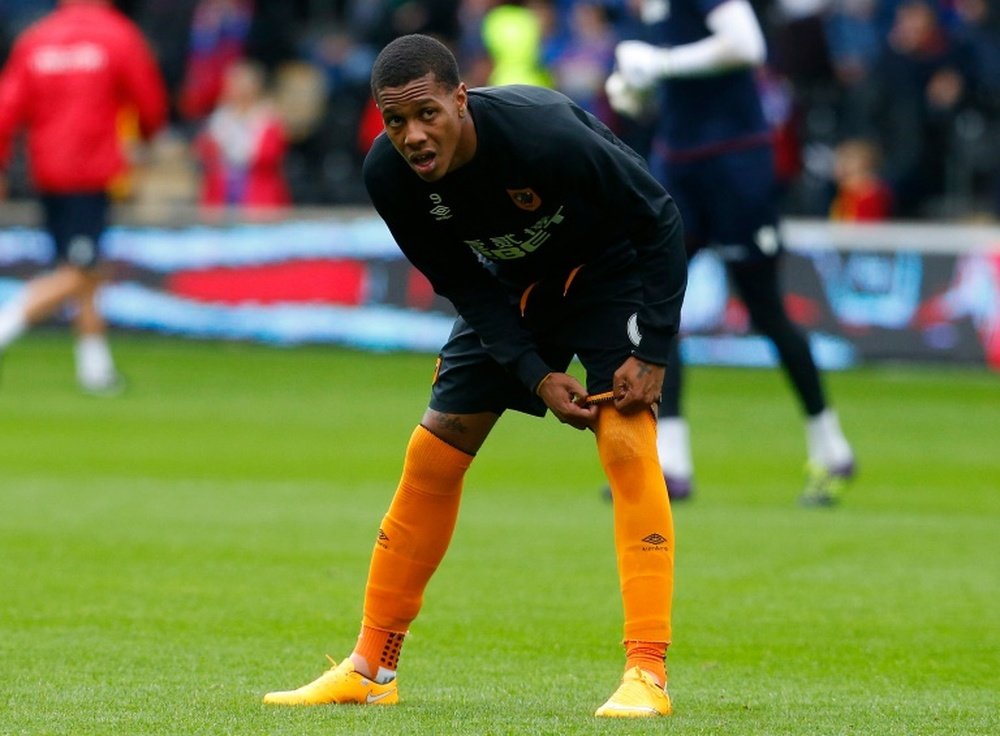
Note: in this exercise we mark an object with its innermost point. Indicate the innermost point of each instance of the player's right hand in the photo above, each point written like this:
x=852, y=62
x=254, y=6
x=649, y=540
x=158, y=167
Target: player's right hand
x=565, y=396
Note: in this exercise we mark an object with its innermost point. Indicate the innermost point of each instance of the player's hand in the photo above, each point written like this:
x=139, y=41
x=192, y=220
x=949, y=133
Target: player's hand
x=626, y=100
x=564, y=395
x=637, y=385
x=640, y=64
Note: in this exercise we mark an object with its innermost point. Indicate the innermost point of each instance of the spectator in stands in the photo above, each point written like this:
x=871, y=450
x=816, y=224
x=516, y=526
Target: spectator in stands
x=862, y=194
x=978, y=27
x=332, y=156
x=377, y=22
x=798, y=46
x=854, y=40
x=584, y=57
x=242, y=146
x=167, y=24
x=513, y=34
x=852, y=37
x=67, y=82
x=274, y=36
x=470, y=47
x=219, y=33
x=914, y=96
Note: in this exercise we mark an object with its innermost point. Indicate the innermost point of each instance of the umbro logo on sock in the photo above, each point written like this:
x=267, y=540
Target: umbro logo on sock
x=655, y=542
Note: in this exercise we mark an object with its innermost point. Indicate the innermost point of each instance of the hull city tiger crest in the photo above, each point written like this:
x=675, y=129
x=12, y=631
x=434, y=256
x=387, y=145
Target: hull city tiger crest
x=526, y=199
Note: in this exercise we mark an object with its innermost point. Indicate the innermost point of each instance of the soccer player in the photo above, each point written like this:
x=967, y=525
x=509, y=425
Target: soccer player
x=551, y=239
x=69, y=80
x=713, y=151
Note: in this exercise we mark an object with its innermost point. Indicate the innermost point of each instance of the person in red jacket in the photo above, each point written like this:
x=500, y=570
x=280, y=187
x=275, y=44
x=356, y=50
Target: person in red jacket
x=242, y=146
x=69, y=80
x=862, y=194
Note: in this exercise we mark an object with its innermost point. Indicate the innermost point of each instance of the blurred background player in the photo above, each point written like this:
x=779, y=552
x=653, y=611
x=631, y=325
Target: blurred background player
x=71, y=79
x=713, y=150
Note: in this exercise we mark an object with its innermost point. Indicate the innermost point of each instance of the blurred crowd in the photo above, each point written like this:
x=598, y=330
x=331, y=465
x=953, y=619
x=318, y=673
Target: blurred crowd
x=882, y=109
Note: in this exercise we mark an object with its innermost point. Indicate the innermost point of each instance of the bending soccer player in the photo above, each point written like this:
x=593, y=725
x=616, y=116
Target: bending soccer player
x=551, y=239
x=713, y=150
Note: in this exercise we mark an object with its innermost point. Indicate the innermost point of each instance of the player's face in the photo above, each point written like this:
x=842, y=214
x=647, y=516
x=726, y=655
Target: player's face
x=429, y=125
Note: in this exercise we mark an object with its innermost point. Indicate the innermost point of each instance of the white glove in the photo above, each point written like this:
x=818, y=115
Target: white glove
x=626, y=100
x=640, y=64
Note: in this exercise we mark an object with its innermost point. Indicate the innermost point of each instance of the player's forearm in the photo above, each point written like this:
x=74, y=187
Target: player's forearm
x=736, y=41
x=664, y=274
x=712, y=55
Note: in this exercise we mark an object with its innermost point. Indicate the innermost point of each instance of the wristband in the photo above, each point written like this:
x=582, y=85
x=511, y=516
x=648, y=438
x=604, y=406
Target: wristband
x=539, y=386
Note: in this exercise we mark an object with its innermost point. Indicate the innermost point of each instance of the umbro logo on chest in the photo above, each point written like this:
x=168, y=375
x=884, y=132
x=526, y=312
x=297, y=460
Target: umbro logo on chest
x=439, y=210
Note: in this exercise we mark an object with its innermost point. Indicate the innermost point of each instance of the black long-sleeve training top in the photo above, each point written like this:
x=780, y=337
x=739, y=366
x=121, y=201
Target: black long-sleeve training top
x=549, y=188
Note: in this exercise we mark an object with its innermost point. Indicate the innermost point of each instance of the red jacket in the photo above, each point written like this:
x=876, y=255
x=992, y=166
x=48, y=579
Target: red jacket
x=867, y=202
x=258, y=182
x=69, y=77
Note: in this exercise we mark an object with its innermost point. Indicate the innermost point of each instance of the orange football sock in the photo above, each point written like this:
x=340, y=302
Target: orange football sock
x=644, y=532
x=411, y=542
x=648, y=655
x=380, y=649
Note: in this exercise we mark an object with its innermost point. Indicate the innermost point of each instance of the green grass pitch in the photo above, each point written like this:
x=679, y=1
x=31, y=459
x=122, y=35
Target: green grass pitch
x=169, y=556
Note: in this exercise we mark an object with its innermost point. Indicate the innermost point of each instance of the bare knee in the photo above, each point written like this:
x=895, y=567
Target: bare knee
x=465, y=432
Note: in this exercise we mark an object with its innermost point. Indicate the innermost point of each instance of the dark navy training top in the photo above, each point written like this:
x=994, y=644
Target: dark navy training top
x=709, y=112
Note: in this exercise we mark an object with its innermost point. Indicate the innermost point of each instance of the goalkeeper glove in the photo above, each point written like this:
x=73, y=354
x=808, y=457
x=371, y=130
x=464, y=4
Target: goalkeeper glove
x=626, y=100
x=641, y=64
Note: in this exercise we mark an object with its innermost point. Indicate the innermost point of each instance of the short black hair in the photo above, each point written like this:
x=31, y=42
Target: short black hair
x=412, y=57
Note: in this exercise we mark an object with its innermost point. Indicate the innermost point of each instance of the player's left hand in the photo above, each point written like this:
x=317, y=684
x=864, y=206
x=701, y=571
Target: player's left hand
x=625, y=100
x=640, y=64
x=637, y=385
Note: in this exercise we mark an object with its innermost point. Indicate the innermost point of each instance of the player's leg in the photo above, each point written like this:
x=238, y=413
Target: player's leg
x=44, y=294
x=40, y=297
x=415, y=533
x=95, y=366
x=469, y=393
x=643, y=525
x=830, y=458
x=78, y=223
x=746, y=234
x=673, y=439
x=644, y=546
x=756, y=282
x=411, y=542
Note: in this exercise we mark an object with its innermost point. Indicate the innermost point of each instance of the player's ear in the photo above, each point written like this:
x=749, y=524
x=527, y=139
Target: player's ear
x=461, y=98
